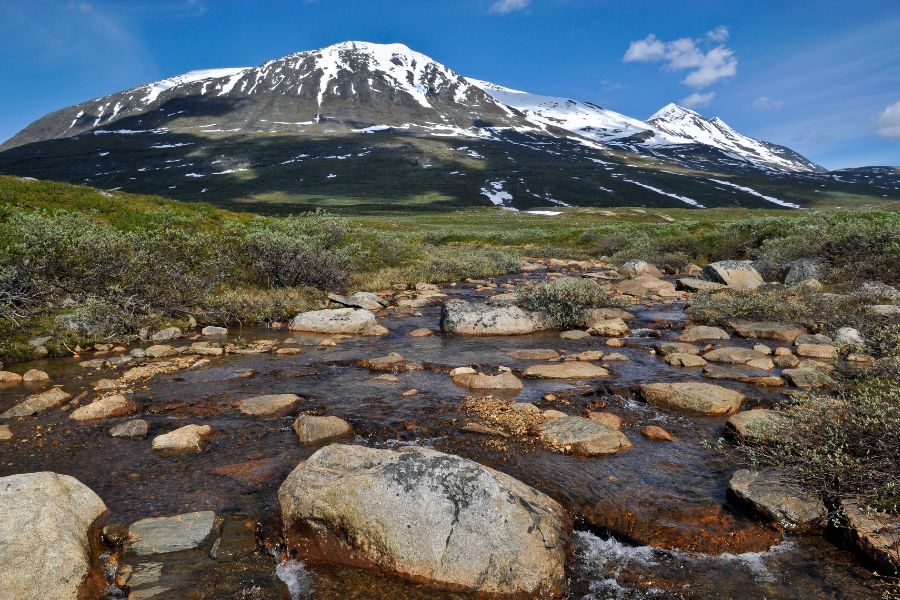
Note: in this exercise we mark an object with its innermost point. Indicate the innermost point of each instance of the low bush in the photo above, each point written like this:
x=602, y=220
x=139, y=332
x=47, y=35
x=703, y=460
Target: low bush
x=842, y=447
x=245, y=306
x=567, y=301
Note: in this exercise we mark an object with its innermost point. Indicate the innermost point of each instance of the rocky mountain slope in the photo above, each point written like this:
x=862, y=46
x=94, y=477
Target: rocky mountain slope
x=369, y=126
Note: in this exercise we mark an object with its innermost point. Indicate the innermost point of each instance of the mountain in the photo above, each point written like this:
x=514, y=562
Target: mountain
x=368, y=127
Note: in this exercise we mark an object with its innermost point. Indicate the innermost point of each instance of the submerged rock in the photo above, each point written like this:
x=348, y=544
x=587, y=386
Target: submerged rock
x=584, y=437
x=338, y=320
x=771, y=495
x=48, y=541
x=489, y=318
x=312, y=430
x=391, y=363
x=38, y=403
x=136, y=428
x=701, y=398
x=533, y=354
x=426, y=516
x=271, y=405
x=171, y=534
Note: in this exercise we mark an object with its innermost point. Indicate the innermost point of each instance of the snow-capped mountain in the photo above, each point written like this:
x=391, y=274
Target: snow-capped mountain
x=361, y=124
x=672, y=125
x=583, y=118
x=344, y=86
x=678, y=125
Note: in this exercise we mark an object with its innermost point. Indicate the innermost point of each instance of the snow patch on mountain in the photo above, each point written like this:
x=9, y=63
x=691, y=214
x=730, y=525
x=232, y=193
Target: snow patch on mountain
x=753, y=192
x=153, y=90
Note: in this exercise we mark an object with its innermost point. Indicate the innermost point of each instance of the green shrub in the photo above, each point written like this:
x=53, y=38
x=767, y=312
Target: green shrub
x=567, y=301
x=841, y=447
x=449, y=263
x=245, y=306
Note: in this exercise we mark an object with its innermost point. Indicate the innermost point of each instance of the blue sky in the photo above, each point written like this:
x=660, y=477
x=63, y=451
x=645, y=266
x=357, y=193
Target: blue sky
x=821, y=77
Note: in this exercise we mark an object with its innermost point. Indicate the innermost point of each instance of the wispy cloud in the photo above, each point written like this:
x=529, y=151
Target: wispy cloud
x=888, y=123
x=766, y=103
x=504, y=7
x=698, y=99
x=705, y=66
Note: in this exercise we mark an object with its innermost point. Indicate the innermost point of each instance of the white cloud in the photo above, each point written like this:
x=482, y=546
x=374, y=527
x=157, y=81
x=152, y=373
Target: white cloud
x=766, y=103
x=698, y=99
x=507, y=6
x=685, y=54
x=888, y=123
x=719, y=34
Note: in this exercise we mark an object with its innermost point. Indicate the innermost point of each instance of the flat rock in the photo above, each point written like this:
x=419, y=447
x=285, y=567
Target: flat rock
x=167, y=334
x=339, y=320
x=756, y=425
x=740, y=373
x=533, y=354
x=682, y=359
x=566, y=370
x=426, y=516
x=697, y=333
x=604, y=314
x=733, y=355
x=876, y=535
x=606, y=419
x=469, y=318
x=47, y=538
x=807, y=377
x=366, y=300
x=118, y=405
x=767, y=330
x=133, y=429
x=609, y=328
x=312, y=430
x=646, y=285
x=163, y=535
x=736, y=274
x=826, y=351
x=788, y=505
x=692, y=284
x=38, y=403
x=190, y=438
x=584, y=437
x=504, y=381
x=574, y=334
x=270, y=405
x=667, y=348
x=700, y=398
x=391, y=363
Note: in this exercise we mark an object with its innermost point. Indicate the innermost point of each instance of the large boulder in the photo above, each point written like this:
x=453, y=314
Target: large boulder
x=489, y=318
x=771, y=495
x=803, y=269
x=338, y=320
x=690, y=396
x=736, y=274
x=426, y=516
x=49, y=538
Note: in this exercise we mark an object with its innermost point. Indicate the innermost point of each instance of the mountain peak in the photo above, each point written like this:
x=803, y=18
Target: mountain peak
x=672, y=111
